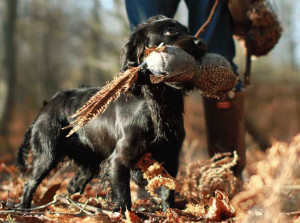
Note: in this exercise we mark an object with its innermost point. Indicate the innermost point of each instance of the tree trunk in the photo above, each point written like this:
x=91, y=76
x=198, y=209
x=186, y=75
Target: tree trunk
x=10, y=66
x=96, y=41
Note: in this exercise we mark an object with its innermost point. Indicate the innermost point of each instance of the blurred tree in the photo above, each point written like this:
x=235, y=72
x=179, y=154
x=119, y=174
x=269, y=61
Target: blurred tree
x=39, y=36
x=10, y=66
x=289, y=20
x=95, y=75
x=101, y=48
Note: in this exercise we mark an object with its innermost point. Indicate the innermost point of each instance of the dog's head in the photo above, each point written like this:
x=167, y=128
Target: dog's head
x=156, y=30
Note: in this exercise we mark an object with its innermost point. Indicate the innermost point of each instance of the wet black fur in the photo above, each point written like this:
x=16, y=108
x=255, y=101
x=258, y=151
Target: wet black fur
x=150, y=120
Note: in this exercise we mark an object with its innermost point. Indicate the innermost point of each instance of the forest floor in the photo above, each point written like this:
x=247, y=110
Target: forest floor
x=206, y=190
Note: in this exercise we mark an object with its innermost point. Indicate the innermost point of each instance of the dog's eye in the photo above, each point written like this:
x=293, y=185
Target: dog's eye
x=170, y=32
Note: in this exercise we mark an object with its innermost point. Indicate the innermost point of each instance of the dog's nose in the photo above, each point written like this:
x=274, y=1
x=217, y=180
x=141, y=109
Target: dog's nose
x=200, y=47
x=200, y=43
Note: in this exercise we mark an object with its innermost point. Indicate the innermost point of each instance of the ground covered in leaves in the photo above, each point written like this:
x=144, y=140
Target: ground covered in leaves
x=206, y=191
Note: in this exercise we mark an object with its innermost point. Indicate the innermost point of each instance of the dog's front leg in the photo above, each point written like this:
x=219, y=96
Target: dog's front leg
x=120, y=176
x=168, y=196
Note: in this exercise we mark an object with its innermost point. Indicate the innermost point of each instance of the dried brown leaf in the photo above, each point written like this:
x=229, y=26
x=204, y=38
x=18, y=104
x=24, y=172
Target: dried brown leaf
x=7, y=169
x=220, y=208
x=49, y=194
x=131, y=217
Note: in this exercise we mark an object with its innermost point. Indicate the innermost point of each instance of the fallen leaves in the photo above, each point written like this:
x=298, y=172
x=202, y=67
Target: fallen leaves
x=52, y=205
x=205, y=177
x=276, y=176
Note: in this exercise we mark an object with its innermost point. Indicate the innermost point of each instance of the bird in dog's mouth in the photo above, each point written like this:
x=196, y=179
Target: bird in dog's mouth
x=213, y=74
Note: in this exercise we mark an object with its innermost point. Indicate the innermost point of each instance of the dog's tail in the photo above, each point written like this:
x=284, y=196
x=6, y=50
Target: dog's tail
x=23, y=151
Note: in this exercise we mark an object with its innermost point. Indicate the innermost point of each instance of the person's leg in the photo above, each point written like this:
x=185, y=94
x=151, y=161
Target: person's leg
x=218, y=34
x=224, y=120
x=140, y=10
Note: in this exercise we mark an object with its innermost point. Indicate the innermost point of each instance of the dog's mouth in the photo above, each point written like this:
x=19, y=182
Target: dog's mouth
x=175, y=85
x=193, y=45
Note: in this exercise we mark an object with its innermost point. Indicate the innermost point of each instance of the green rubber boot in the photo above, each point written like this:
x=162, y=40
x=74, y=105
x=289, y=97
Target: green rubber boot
x=225, y=127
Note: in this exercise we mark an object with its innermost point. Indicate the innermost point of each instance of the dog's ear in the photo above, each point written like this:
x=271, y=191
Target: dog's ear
x=133, y=50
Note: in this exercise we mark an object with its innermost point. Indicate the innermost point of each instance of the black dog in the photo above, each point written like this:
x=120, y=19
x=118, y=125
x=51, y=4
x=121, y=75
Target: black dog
x=150, y=120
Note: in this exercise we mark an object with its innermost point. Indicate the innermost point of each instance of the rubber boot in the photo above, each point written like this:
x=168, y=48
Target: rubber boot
x=225, y=127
